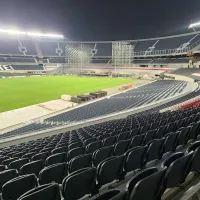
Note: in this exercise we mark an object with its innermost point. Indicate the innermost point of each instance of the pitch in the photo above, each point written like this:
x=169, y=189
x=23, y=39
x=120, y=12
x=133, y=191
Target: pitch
x=20, y=92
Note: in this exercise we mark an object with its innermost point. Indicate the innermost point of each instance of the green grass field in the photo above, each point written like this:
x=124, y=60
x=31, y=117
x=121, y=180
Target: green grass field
x=21, y=92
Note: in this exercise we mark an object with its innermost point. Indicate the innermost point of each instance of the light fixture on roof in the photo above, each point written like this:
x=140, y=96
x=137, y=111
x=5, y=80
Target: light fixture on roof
x=194, y=25
x=12, y=32
x=30, y=34
x=48, y=35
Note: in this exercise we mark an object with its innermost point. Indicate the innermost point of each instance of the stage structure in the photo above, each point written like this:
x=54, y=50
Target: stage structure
x=77, y=57
x=122, y=54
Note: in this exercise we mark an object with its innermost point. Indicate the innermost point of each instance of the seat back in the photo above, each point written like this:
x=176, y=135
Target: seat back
x=110, y=170
x=75, y=145
x=154, y=151
x=177, y=170
x=6, y=176
x=121, y=147
x=135, y=158
x=170, y=142
x=92, y=147
x=59, y=150
x=194, y=131
x=88, y=186
x=183, y=136
x=14, y=188
x=137, y=141
x=138, y=177
x=154, y=184
x=102, y=154
x=56, y=158
x=75, y=152
x=80, y=162
x=53, y=173
x=40, y=156
x=149, y=136
x=123, y=136
x=43, y=192
x=33, y=167
x=18, y=163
x=109, y=141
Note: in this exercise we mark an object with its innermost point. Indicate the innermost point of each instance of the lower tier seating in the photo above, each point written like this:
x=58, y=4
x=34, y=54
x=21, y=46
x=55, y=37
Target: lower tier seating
x=155, y=151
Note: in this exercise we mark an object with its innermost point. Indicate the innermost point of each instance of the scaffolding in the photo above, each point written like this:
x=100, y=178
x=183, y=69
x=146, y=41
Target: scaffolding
x=122, y=54
x=77, y=57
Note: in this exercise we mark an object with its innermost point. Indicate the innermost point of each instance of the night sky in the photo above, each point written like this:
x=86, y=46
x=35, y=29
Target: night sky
x=101, y=20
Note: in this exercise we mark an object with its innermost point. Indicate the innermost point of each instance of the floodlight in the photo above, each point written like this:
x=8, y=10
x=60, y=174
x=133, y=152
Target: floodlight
x=31, y=34
x=48, y=35
x=12, y=32
x=194, y=25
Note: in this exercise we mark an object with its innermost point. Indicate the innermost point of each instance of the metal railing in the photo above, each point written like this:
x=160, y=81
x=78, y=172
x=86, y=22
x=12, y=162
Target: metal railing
x=162, y=52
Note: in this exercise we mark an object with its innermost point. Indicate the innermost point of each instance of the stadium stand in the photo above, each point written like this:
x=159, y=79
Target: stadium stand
x=185, y=71
x=134, y=98
x=189, y=72
x=27, y=67
x=10, y=74
x=141, y=139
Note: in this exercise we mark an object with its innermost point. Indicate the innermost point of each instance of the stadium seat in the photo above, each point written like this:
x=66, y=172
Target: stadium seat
x=40, y=156
x=75, y=145
x=59, y=150
x=56, y=158
x=109, y=170
x=137, y=141
x=88, y=141
x=43, y=192
x=14, y=188
x=154, y=151
x=150, y=178
x=123, y=136
x=53, y=173
x=170, y=142
x=29, y=155
x=18, y=163
x=33, y=167
x=8, y=161
x=6, y=176
x=195, y=163
x=109, y=141
x=149, y=136
x=88, y=186
x=92, y=147
x=134, y=159
x=121, y=147
x=178, y=167
x=102, y=154
x=2, y=168
x=75, y=152
x=80, y=162
x=183, y=137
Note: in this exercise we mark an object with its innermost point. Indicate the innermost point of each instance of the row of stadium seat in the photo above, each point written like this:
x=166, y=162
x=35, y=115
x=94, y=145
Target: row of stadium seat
x=134, y=98
x=102, y=153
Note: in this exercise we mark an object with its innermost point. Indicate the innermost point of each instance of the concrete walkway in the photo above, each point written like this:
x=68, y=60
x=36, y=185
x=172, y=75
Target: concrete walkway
x=21, y=115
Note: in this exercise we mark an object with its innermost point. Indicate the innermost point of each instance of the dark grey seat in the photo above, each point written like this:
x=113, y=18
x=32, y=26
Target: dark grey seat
x=86, y=181
x=14, y=188
x=43, y=192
